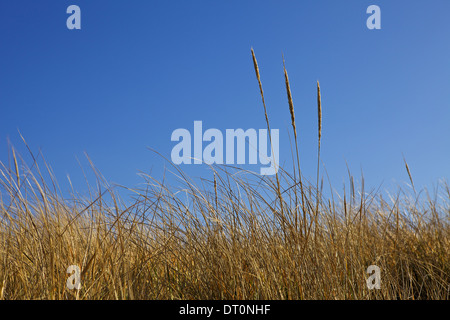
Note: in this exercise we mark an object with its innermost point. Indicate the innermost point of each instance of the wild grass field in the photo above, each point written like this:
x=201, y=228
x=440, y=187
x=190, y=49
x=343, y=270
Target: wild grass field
x=236, y=235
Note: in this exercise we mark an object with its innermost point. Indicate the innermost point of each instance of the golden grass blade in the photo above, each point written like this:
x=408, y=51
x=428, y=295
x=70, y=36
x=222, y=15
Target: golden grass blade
x=258, y=77
x=319, y=116
x=289, y=96
x=319, y=111
x=292, y=112
x=409, y=174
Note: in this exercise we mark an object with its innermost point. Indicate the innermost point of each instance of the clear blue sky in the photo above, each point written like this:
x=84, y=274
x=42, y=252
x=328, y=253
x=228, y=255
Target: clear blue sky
x=137, y=70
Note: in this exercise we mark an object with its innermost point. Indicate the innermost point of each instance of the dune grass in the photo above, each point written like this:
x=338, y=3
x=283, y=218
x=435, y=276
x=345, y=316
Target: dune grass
x=235, y=235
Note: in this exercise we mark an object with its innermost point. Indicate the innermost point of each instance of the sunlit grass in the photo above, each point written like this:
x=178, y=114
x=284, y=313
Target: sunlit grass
x=238, y=235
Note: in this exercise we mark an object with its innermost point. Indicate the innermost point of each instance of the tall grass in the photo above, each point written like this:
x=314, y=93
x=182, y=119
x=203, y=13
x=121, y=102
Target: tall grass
x=237, y=236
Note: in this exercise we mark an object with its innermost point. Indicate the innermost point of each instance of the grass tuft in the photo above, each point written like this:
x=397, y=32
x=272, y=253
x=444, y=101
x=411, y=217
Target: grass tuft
x=225, y=239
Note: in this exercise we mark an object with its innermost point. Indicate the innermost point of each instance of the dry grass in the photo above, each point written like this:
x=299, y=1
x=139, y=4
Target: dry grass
x=223, y=240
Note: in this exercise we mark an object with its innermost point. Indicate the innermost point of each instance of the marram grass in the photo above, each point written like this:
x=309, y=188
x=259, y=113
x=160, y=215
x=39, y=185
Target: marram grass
x=230, y=242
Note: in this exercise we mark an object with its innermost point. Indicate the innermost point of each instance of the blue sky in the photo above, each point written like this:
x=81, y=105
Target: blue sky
x=137, y=70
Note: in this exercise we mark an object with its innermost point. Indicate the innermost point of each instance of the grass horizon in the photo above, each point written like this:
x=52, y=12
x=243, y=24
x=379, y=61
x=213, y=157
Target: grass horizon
x=232, y=235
